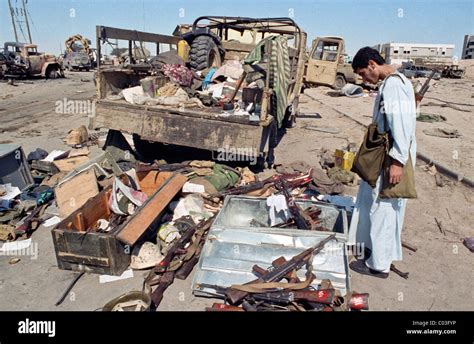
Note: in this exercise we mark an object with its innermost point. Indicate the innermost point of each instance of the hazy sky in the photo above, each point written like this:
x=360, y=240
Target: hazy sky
x=361, y=23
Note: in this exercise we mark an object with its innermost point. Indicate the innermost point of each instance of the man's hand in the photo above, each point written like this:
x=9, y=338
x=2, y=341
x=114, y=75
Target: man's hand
x=395, y=172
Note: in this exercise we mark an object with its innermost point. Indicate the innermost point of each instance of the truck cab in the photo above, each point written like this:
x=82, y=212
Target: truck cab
x=327, y=64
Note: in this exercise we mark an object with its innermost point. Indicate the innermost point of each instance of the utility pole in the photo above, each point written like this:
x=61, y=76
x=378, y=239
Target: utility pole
x=26, y=19
x=12, y=13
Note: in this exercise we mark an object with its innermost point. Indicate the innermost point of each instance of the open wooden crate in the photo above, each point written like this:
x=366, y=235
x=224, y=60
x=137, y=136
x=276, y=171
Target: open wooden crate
x=80, y=249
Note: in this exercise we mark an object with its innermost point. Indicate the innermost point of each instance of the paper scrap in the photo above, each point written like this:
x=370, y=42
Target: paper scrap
x=52, y=221
x=11, y=192
x=53, y=155
x=193, y=188
x=110, y=278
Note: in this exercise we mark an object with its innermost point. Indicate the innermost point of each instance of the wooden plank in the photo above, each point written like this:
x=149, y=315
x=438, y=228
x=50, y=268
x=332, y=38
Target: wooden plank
x=73, y=193
x=160, y=126
x=146, y=215
x=152, y=181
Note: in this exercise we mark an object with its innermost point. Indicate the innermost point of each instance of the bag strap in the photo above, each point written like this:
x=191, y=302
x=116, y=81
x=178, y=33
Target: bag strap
x=381, y=98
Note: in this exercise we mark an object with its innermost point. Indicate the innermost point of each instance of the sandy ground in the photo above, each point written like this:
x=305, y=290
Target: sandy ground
x=441, y=274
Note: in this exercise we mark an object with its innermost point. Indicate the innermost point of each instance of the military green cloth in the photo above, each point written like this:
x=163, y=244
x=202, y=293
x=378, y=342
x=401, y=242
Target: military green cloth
x=279, y=73
x=221, y=178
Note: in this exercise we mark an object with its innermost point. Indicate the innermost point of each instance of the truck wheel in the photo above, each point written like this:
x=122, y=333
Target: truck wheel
x=339, y=82
x=204, y=53
x=52, y=73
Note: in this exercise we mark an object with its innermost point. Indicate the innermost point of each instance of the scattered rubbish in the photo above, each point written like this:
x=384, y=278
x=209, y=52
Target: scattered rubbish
x=341, y=175
x=7, y=232
x=440, y=226
x=52, y=221
x=444, y=133
x=38, y=154
x=8, y=192
x=14, y=261
x=77, y=136
x=430, y=168
x=430, y=118
x=309, y=115
x=442, y=181
x=409, y=246
x=69, y=288
x=193, y=188
x=398, y=272
x=145, y=256
x=353, y=91
x=344, y=159
x=469, y=243
x=110, y=278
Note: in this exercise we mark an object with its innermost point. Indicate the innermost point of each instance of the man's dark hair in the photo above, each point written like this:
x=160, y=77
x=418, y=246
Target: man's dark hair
x=364, y=55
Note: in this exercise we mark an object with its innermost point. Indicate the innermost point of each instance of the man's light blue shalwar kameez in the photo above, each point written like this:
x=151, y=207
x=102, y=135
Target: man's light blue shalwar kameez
x=377, y=223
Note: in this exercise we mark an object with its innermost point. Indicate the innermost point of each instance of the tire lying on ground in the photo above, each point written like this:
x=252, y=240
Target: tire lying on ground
x=204, y=53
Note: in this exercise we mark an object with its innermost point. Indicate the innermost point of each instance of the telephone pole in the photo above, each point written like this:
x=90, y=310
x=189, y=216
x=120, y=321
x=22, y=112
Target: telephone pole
x=26, y=19
x=12, y=13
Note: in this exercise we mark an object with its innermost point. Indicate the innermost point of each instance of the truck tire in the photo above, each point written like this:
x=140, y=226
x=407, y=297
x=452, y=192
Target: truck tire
x=204, y=53
x=339, y=82
x=52, y=73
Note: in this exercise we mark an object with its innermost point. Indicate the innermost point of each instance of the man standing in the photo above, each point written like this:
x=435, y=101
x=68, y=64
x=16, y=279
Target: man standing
x=377, y=223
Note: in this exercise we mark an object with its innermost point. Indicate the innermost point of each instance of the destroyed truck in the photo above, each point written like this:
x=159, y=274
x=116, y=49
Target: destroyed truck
x=326, y=64
x=24, y=60
x=245, y=103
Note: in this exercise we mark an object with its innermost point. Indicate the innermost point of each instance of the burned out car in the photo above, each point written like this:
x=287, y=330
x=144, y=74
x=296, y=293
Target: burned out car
x=24, y=60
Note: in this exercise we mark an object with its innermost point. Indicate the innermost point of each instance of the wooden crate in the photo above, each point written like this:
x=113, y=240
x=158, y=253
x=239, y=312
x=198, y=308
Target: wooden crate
x=105, y=253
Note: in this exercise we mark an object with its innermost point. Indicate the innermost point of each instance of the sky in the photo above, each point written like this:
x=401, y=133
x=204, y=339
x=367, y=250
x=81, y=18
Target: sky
x=361, y=23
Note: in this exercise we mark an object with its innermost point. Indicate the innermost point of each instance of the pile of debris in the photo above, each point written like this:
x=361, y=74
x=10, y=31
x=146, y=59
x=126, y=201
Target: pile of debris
x=112, y=212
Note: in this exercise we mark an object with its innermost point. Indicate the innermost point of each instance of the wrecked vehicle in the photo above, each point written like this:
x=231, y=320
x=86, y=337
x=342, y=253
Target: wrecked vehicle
x=78, y=54
x=245, y=102
x=326, y=64
x=24, y=60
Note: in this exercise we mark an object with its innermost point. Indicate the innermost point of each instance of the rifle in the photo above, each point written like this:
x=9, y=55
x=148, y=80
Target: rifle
x=295, y=211
x=26, y=226
x=276, y=274
x=162, y=168
x=421, y=93
x=162, y=269
x=293, y=181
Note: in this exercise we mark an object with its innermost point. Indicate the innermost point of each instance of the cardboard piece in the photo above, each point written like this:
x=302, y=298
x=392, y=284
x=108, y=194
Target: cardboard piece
x=69, y=164
x=74, y=192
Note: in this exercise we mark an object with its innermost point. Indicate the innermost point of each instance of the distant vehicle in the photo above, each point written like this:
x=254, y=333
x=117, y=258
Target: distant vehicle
x=23, y=59
x=328, y=64
x=79, y=55
x=413, y=71
x=77, y=60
